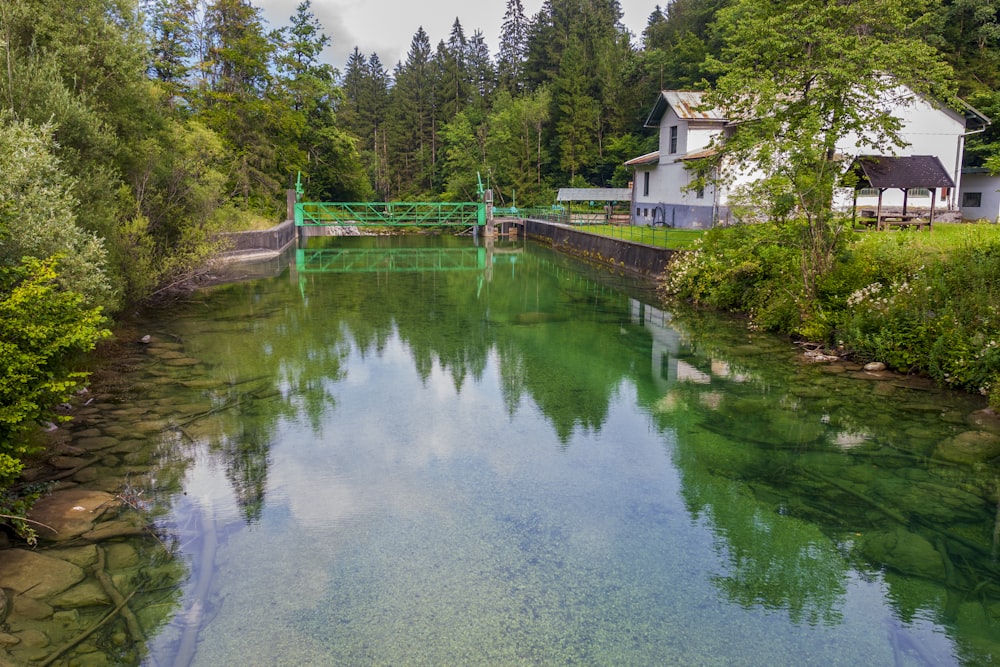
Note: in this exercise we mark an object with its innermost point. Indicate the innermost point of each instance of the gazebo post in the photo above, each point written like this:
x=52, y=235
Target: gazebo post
x=878, y=210
x=930, y=221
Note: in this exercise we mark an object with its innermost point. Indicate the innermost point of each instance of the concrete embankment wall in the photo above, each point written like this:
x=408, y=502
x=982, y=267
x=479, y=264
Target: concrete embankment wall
x=635, y=258
x=274, y=239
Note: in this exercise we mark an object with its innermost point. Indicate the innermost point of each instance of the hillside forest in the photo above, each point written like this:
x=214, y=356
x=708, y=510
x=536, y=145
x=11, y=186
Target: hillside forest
x=132, y=131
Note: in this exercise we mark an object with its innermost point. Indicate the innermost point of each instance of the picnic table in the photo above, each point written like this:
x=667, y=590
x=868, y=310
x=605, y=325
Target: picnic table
x=884, y=221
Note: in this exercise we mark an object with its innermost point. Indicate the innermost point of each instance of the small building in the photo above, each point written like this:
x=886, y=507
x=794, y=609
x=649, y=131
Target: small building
x=664, y=191
x=614, y=202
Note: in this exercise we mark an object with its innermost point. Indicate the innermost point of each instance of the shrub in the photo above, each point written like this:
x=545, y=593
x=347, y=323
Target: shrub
x=894, y=297
x=43, y=329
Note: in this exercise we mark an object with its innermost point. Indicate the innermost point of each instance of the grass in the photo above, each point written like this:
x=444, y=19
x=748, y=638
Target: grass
x=937, y=243
x=942, y=237
x=663, y=237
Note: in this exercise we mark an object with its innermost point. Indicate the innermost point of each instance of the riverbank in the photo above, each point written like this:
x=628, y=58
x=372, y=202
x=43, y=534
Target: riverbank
x=917, y=303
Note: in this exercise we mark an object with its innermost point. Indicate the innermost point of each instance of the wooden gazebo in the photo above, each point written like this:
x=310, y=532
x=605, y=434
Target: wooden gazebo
x=883, y=172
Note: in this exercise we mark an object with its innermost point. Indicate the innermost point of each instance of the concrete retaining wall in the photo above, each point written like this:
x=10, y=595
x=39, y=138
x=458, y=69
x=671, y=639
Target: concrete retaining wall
x=635, y=258
x=275, y=239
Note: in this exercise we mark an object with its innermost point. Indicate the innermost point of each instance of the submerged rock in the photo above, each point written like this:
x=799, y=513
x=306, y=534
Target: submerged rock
x=905, y=552
x=69, y=513
x=36, y=575
x=34, y=610
x=987, y=420
x=85, y=594
x=969, y=447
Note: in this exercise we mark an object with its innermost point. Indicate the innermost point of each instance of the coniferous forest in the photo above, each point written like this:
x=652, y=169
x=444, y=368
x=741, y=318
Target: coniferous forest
x=131, y=131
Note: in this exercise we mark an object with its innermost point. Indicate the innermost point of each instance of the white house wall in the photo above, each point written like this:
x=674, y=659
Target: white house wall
x=986, y=187
x=668, y=201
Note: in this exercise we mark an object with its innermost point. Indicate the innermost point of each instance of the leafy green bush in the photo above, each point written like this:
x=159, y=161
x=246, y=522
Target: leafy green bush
x=940, y=318
x=38, y=213
x=43, y=329
x=889, y=297
x=748, y=268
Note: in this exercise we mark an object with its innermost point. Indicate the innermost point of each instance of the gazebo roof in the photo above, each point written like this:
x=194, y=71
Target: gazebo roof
x=913, y=171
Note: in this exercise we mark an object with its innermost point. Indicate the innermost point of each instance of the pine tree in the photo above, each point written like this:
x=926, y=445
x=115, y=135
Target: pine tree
x=513, y=48
x=172, y=44
x=481, y=70
x=411, y=133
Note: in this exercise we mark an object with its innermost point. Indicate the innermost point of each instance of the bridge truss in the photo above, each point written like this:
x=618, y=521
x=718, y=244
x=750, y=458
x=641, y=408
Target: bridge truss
x=390, y=214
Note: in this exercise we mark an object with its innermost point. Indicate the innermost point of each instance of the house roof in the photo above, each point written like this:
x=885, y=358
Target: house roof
x=914, y=171
x=642, y=160
x=697, y=155
x=594, y=194
x=687, y=104
x=974, y=118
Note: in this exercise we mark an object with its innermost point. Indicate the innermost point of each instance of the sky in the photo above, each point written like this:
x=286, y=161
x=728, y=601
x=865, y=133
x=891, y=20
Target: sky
x=386, y=27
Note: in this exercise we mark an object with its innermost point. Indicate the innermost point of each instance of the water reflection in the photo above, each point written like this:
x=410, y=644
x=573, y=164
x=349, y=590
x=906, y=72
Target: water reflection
x=529, y=462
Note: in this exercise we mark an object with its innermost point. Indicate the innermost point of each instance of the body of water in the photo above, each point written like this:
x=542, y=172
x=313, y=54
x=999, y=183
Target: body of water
x=424, y=452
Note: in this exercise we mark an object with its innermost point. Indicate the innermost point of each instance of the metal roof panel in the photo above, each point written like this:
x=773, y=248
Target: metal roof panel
x=594, y=194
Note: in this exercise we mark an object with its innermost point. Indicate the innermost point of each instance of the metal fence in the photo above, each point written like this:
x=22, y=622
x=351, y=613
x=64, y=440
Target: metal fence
x=599, y=223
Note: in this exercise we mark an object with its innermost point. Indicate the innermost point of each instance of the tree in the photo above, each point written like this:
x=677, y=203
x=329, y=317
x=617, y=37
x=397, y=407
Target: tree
x=797, y=76
x=579, y=113
x=513, y=48
x=515, y=147
x=411, y=142
x=235, y=104
x=481, y=71
x=38, y=213
x=171, y=30
x=49, y=314
x=453, y=79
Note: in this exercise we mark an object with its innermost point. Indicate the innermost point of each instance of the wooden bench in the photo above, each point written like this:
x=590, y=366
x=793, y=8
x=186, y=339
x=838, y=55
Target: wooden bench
x=903, y=221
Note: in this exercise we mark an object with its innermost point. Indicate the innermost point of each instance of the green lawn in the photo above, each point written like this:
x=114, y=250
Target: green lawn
x=942, y=237
x=677, y=239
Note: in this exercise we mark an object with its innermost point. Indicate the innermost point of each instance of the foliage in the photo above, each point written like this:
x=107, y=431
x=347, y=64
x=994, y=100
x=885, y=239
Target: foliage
x=14, y=506
x=38, y=213
x=44, y=327
x=747, y=268
x=888, y=297
x=939, y=318
x=796, y=78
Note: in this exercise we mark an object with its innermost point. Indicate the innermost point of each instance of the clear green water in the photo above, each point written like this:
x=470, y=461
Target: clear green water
x=521, y=461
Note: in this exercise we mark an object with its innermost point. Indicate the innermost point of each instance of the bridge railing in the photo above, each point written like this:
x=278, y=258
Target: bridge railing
x=389, y=214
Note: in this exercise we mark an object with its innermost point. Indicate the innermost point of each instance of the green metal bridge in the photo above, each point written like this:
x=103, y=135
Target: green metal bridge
x=390, y=214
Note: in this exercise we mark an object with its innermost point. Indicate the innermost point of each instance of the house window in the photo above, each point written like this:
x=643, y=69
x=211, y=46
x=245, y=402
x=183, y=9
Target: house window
x=972, y=199
x=868, y=192
x=673, y=139
x=699, y=193
x=920, y=192
x=645, y=184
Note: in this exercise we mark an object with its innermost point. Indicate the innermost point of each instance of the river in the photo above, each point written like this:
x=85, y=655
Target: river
x=417, y=451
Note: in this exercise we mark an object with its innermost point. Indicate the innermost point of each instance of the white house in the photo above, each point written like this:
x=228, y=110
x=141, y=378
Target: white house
x=662, y=193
